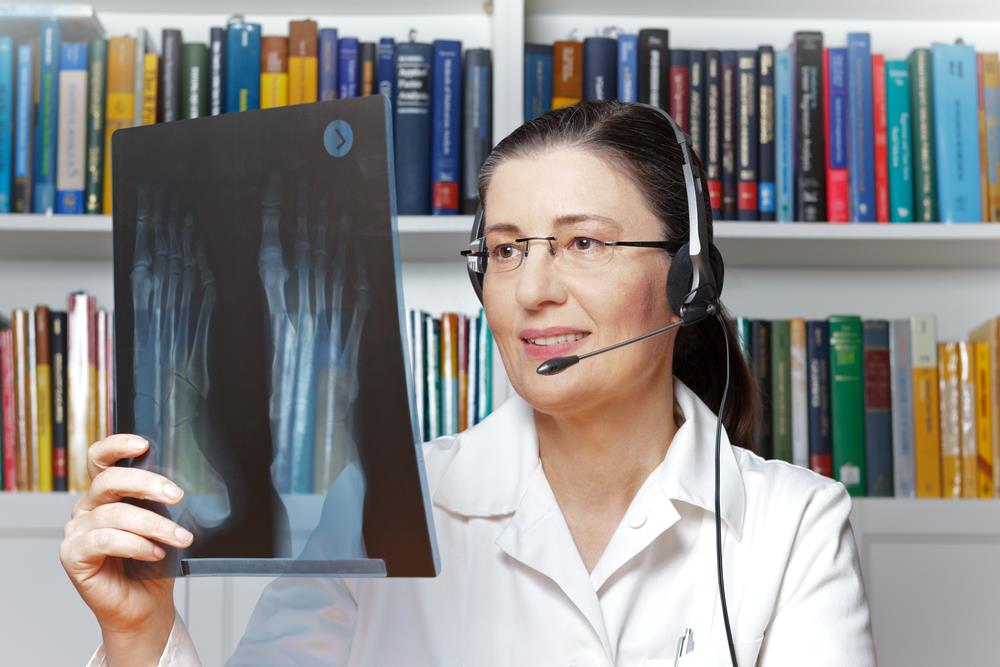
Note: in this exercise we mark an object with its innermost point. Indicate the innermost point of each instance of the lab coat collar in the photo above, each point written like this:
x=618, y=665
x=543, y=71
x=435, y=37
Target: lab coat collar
x=498, y=457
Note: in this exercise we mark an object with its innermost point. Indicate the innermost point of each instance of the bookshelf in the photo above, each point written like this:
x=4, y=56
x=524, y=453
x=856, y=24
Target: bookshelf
x=929, y=566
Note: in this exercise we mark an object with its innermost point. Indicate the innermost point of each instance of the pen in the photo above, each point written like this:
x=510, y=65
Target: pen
x=684, y=644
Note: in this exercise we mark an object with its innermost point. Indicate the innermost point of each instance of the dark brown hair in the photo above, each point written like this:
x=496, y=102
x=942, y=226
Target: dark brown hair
x=638, y=141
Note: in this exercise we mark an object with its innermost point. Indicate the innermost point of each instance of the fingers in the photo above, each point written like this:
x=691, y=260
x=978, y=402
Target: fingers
x=115, y=484
x=107, y=452
x=94, y=546
x=132, y=519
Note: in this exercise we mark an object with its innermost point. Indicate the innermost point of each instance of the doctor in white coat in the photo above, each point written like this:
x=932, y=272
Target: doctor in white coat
x=576, y=524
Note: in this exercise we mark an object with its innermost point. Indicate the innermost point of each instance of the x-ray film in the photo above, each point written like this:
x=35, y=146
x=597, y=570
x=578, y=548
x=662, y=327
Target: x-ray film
x=260, y=342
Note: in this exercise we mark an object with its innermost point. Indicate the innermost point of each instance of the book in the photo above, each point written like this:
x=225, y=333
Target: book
x=414, y=61
x=449, y=373
x=784, y=136
x=43, y=403
x=600, y=68
x=80, y=401
x=194, y=80
x=820, y=428
x=880, y=138
x=243, y=57
x=835, y=129
x=72, y=143
x=347, y=66
x=23, y=416
x=878, y=409
x=97, y=50
x=7, y=83
x=168, y=107
x=446, y=111
x=367, y=60
x=810, y=156
x=47, y=120
x=901, y=391
x=143, y=47
x=57, y=347
x=273, y=72
x=984, y=169
x=387, y=68
x=949, y=393
x=120, y=101
x=766, y=198
x=150, y=74
x=537, y=80
x=567, y=81
x=982, y=371
x=8, y=419
x=654, y=67
x=24, y=105
x=860, y=133
x=680, y=82
x=329, y=65
x=216, y=71
x=432, y=367
x=847, y=407
x=472, y=355
x=926, y=402
x=712, y=160
x=956, y=132
x=800, y=392
x=628, y=69
x=729, y=129
x=922, y=110
x=477, y=123
x=696, y=102
x=303, y=62
x=991, y=102
x=781, y=391
x=967, y=421
x=760, y=369
x=899, y=135
x=989, y=333
x=748, y=136
x=484, y=348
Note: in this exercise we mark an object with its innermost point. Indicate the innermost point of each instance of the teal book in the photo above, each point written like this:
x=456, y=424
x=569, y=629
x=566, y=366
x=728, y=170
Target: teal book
x=899, y=131
x=847, y=401
x=956, y=132
x=743, y=333
x=6, y=122
x=781, y=390
x=485, y=349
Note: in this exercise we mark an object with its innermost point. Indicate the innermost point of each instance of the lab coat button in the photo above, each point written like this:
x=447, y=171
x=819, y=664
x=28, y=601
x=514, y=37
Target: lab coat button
x=637, y=518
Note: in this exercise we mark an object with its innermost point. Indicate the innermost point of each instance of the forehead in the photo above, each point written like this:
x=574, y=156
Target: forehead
x=565, y=186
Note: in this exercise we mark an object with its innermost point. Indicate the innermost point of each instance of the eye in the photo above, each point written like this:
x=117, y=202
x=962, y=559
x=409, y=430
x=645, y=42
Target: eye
x=504, y=251
x=585, y=244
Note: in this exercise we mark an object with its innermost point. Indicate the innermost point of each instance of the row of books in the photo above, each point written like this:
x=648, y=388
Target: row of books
x=452, y=360
x=56, y=393
x=881, y=405
x=60, y=102
x=810, y=132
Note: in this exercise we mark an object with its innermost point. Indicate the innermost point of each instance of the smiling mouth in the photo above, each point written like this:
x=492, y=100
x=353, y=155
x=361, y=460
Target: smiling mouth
x=544, y=341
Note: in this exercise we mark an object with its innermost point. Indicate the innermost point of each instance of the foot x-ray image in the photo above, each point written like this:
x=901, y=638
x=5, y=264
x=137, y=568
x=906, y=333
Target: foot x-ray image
x=260, y=341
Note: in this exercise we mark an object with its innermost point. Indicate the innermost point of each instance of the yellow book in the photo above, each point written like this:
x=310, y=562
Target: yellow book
x=43, y=412
x=951, y=439
x=967, y=427
x=989, y=332
x=274, y=72
x=150, y=73
x=983, y=371
x=119, y=108
x=303, y=62
x=991, y=84
x=926, y=419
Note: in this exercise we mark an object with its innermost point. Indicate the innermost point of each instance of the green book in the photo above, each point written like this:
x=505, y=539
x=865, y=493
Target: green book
x=899, y=131
x=922, y=110
x=97, y=69
x=781, y=390
x=194, y=80
x=847, y=401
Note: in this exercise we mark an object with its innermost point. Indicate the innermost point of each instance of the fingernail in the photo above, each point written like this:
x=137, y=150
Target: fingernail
x=135, y=444
x=158, y=551
x=171, y=491
x=182, y=535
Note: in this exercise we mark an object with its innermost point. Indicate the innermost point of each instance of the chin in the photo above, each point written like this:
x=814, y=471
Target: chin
x=569, y=391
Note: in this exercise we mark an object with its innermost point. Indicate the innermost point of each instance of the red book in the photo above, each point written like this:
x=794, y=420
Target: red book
x=8, y=435
x=679, y=77
x=881, y=139
x=835, y=133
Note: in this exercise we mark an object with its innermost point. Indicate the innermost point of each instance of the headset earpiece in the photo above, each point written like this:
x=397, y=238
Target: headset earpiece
x=681, y=275
x=477, y=231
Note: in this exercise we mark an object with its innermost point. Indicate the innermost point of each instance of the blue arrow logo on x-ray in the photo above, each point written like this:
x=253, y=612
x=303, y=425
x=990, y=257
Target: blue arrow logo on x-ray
x=338, y=138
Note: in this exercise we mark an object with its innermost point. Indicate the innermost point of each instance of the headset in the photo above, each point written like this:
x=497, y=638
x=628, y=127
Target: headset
x=694, y=284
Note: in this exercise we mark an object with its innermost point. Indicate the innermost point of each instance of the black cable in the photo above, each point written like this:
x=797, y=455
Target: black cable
x=718, y=520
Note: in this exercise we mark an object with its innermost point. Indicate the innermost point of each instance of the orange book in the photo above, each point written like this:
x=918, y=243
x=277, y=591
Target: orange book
x=984, y=159
x=926, y=418
x=991, y=83
x=983, y=372
x=150, y=74
x=303, y=62
x=967, y=427
x=449, y=372
x=43, y=412
x=119, y=107
x=949, y=368
x=20, y=323
x=567, y=73
x=989, y=333
x=273, y=72
x=463, y=371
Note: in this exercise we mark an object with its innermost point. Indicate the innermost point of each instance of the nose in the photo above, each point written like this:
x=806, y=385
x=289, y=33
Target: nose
x=537, y=280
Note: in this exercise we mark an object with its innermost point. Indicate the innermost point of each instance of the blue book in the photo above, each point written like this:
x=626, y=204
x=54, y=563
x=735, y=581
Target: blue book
x=537, y=80
x=838, y=186
x=784, y=144
x=446, y=109
x=347, y=58
x=328, y=64
x=878, y=409
x=818, y=383
x=600, y=68
x=628, y=67
x=6, y=122
x=413, y=140
x=861, y=131
x=72, y=148
x=956, y=132
x=696, y=102
x=47, y=121
x=387, y=74
x=898, y=131
x=242, y=66
x=24, y=105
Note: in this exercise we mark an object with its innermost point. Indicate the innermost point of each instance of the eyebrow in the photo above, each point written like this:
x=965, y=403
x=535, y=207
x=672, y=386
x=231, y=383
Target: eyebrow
x=562, y=220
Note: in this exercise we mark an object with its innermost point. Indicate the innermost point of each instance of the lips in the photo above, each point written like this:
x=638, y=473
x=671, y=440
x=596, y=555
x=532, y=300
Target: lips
x=552, y=342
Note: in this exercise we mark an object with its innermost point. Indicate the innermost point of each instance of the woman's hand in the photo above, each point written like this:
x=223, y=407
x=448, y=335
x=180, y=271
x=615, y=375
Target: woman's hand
x=135, y=615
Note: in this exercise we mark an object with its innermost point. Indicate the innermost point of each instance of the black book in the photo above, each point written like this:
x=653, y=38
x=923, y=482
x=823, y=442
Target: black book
x=57, y=347
x=654, y=67
x=216, y=71
x=696, y=102
x=760, y=368
x=748, y=135
x=818, y=378
x=713, y=129
x=477, y=123
x=766, y=202
x=169, y=98
x=810, y=155
x=730, y=122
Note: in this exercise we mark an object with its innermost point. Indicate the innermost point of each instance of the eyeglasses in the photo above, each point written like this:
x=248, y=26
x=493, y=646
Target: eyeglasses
x=572, y=250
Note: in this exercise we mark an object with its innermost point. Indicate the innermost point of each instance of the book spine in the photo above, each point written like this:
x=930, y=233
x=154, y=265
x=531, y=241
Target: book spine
x=24, y=105
x=194, y=80
x=96, y=95
x=473, y=359
x=820, y=428
x=486, y=352
x=433, y=368
x=23, y=416
x=713, y=130
x=143, y=45
x=43, y=406
x=984, y=169
x=7, y=83
x=47, y=123
x=463, y=371
x=743, y=334
x=347, y=66
x=101, y=365
x=446, y=108
x=273, y=72
x=878, y=408
x=781, y=390
x=696, y=103
x=449, y=373
x=748, y=136
x=926, y=415
x=600, y=77
x=567, y=82
x=967, y=421
x=810, y=154
x=150, y=80
x=922, y=108
x=860, y=139
x=78, y=390
x=216, y=71
x=800, y=392
x=654, y=67
x=303, y=62
x=168, y=107
x=847, y=407
x=989, y=333
x=956, y=132
x=982, y=413
x=477, y=123
x=730, y=134
x=412, y=142
x=329, y=64
x=760, y=369
x=680, y=81
x=367, y=58
x=991, y=100
x=766, y=152
x=880, y=138
x=387, y=68
x=784, y=137
x=57, y=345
x=835, y=133
x=120, y=104
x=72, y=146
x=538, y=78
x=628, y=69
x=8, y=420
x=901, y=392
x=899, y=134
x=243, y=52
x=419, y=380
x=949, y=407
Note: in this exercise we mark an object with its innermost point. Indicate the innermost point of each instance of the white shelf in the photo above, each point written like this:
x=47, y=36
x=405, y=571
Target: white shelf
x=299, y=7
x=752, y=244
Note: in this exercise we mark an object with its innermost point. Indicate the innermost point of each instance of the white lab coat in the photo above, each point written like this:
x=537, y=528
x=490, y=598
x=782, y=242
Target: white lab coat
x=513, y=589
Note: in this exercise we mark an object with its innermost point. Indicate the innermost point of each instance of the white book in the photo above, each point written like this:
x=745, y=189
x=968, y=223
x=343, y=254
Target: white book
x=901, y=390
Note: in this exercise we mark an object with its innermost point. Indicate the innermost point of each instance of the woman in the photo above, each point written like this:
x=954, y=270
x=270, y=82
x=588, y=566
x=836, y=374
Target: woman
x=576, y=523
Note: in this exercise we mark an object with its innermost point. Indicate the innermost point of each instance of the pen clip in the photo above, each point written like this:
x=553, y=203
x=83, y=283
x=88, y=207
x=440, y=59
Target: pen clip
x=685, y=644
